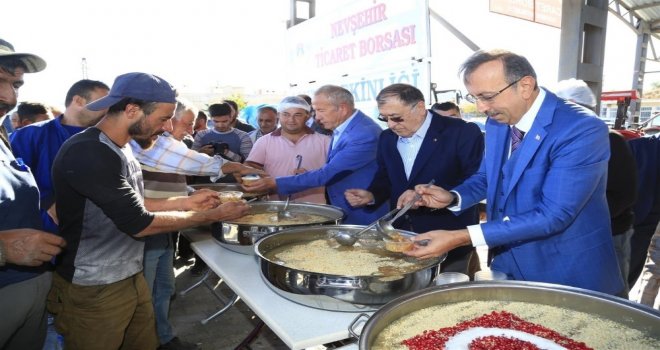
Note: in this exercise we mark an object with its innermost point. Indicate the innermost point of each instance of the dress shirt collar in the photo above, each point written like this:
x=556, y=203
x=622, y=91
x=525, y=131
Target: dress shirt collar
x=339, y=129
x=525, y=123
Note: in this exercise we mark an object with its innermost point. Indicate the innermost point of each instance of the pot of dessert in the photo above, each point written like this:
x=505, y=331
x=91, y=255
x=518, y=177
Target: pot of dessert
x=240, y=234
x=308, y=266
x=508, y=313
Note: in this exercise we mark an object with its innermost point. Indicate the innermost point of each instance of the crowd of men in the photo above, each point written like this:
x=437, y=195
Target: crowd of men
x=92, y=199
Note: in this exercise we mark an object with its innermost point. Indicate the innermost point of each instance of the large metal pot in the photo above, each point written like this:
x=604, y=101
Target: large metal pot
x=335, y=292
x=241, y=237
x=605, y=306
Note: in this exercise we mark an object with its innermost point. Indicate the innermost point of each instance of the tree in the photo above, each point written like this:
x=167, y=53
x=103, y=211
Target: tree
x=239, y=99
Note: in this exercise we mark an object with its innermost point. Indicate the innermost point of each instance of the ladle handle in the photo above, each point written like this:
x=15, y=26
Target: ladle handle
x=410, y=204
x=288, y=198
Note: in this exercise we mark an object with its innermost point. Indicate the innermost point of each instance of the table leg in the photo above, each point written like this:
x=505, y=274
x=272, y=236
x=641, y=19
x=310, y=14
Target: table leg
x=251, y=336
x=196, y=284
x=228, y=305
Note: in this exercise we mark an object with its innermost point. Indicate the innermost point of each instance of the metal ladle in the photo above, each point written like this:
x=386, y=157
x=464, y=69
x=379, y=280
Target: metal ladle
x=284, y=214
x=347, y=238
x=385, y=228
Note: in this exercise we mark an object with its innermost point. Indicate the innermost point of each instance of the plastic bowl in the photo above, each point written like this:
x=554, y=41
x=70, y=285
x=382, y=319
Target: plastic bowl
x=230, y=196
x=249, y=179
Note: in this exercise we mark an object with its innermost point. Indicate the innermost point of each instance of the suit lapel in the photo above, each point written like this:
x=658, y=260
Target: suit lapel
x=532, y=141
x=345, y=135
x=497, y=138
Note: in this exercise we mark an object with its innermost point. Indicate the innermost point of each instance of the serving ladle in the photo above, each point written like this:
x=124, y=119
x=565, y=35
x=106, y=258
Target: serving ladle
x=385, y=228
x=284, y=214
x=347, y=238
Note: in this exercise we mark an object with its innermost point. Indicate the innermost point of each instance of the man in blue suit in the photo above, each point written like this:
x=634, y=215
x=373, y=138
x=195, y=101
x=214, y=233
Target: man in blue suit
x=351, y=160
x=421, y=145
x=544, y=176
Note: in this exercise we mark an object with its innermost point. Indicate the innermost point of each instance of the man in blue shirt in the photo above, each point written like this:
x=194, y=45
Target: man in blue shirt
x=24, y=248
x=38, y=143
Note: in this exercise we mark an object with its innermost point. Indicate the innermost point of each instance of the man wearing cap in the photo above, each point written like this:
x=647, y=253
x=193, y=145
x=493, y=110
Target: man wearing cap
x=276, y=152
x=99, y=294
x=24, y=248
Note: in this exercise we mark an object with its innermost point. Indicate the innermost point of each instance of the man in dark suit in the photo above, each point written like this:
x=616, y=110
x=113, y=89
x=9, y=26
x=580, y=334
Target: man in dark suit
x=544, y=176
x=421, y=145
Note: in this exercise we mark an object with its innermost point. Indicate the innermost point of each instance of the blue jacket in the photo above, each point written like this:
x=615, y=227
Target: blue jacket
x=351, y=164
x=547, y=212
x=37, y=144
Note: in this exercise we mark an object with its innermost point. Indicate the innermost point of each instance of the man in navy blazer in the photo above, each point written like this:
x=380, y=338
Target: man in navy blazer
x=351, y=160
x=548, y=218
x=421, y=145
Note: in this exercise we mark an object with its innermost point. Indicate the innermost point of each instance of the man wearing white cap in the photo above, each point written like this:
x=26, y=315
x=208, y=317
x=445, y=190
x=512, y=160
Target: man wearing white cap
x=24, y=247
x=276, y=152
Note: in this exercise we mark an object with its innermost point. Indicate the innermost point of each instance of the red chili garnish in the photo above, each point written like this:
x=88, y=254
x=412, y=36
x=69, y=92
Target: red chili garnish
x=436, y=339
x=492, y=342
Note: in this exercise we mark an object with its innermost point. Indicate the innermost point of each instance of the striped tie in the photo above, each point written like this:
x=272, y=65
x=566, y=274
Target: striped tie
x=516, y=138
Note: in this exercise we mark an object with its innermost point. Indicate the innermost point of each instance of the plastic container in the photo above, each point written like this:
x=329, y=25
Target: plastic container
x=230, y=196
x=249, y=179
x=450, y=277
x=489, y=275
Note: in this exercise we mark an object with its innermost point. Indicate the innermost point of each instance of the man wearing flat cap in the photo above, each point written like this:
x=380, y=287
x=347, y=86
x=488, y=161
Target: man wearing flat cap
x=276, y=152
x=24, y=248
x=99, y=294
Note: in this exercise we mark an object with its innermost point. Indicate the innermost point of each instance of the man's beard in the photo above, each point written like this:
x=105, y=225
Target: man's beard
x=136, y=131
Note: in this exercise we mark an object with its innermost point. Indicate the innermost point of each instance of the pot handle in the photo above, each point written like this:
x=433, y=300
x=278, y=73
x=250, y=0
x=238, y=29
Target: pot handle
x=351, y=327
x=339, y=283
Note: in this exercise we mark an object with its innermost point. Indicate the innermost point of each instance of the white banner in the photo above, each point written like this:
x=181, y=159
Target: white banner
x=362, y=35
x=365, y=87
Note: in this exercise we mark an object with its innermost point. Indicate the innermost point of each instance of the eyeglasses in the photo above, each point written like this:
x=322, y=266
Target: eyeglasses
x=487, y=98
x=394, y=118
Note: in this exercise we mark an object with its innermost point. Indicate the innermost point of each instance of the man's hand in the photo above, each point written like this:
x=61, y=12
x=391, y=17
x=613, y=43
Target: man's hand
x=406, y=197
x=30, y=247
x=440, y=242
x=207, y=149
x=433, y=196
x=358, y=198
x=265, y=184
x=238, y=170
x=203, y=199
x=229, y=211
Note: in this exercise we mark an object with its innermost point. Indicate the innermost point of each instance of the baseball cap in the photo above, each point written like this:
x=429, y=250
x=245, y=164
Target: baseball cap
x=33, y=63
x=141, y=86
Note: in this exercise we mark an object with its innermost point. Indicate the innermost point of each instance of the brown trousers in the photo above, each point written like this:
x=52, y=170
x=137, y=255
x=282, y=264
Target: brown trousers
x=106, y=317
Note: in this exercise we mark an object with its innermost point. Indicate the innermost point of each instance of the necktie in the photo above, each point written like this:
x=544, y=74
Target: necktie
x=516, y=138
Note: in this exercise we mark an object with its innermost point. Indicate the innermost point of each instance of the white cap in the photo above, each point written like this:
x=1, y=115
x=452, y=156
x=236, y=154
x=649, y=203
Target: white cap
x=577, y=91
x=293, y=102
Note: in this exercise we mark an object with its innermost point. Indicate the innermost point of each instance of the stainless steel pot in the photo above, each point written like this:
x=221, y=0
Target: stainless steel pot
x=335, y=292
x=228, y=187
x=241, y=237
x=605, y=306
